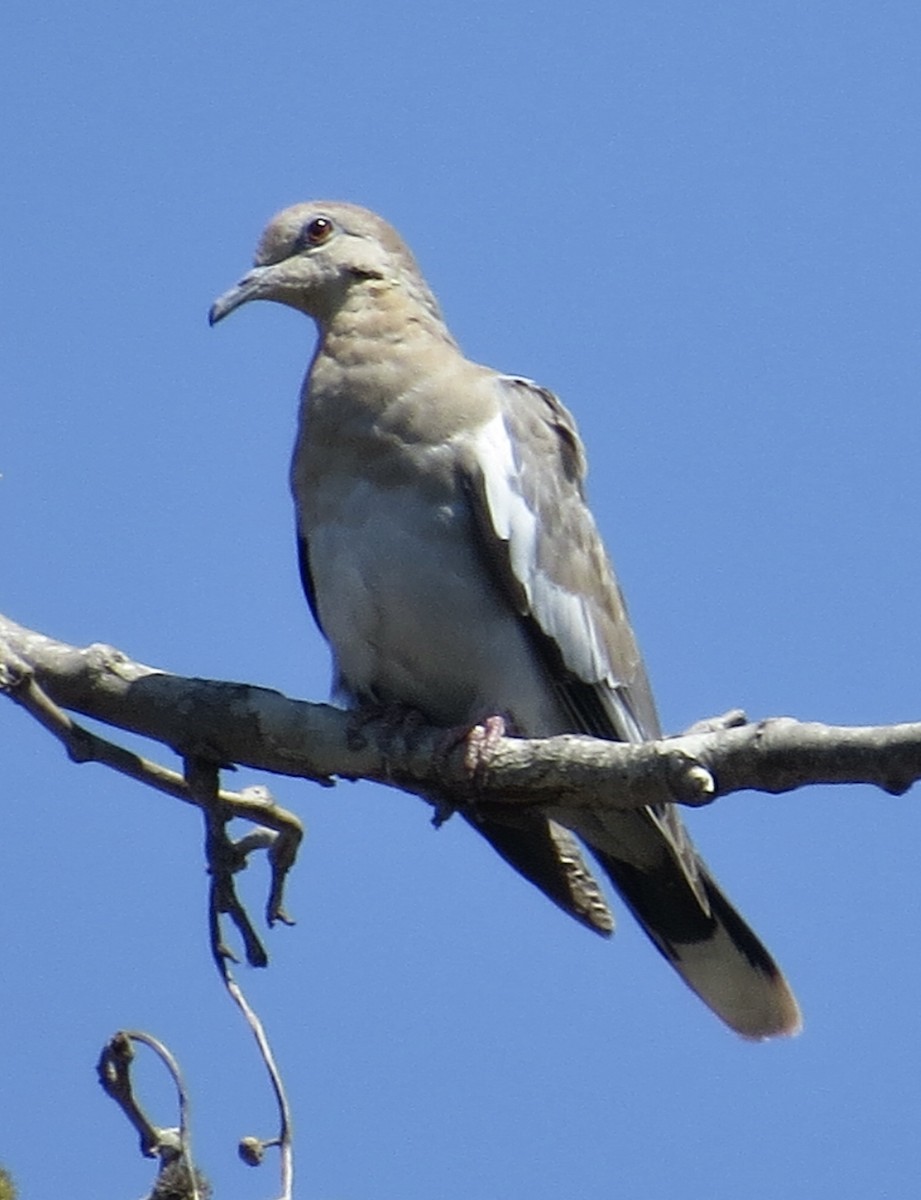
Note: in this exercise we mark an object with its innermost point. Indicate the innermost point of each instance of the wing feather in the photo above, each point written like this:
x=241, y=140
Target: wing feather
x=526, y=485
x=525, y=480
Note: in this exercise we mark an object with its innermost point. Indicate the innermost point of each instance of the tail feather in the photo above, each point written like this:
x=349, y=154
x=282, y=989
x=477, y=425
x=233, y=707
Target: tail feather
x=549, y=856
x=652, y=863
x=716, y=953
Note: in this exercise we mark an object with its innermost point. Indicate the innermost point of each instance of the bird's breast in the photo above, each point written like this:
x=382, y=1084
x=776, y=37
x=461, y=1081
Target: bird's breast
x=412, y=613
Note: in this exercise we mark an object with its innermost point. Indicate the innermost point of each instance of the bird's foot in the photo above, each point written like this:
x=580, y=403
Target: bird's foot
x=478, y=742
x=481, y=742
x=732, y=719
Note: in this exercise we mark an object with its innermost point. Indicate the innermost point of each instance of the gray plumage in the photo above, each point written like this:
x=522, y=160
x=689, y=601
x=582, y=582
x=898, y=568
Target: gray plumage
x=451, y=561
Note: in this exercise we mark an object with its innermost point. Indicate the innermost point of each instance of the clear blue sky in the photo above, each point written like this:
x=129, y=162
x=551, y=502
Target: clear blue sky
x=699, y=224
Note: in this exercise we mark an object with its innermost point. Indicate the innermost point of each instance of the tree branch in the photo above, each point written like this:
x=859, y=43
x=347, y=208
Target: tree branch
x=238, y=723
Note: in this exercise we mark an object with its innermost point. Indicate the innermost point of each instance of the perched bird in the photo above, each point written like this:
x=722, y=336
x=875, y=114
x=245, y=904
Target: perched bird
x=451, y=561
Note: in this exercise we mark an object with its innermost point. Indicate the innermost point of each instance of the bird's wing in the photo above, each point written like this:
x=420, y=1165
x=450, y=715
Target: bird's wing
x=524, y=473
x=525, y=477
x=526, y=484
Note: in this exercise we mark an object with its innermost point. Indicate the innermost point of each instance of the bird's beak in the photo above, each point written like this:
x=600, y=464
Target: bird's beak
x=251, y=287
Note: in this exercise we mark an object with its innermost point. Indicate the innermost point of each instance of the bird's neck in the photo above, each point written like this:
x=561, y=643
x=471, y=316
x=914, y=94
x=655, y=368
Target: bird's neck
x=377, y=345
x=396, y=315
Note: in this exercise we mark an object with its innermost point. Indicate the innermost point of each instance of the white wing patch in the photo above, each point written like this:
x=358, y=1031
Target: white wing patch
x=563, y=615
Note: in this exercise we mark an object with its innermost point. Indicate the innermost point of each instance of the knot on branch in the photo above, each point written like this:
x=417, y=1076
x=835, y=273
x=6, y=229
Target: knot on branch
x=689, y=781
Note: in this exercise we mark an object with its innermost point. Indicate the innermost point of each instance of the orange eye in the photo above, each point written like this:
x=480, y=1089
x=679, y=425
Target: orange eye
x=317, y=231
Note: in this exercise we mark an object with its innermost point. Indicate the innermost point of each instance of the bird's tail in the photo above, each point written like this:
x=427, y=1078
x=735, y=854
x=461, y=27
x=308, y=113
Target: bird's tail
x=709, y=944
x=649, y=858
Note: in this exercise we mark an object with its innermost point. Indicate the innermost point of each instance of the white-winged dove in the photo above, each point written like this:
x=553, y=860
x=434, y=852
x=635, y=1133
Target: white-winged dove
x=450, y=559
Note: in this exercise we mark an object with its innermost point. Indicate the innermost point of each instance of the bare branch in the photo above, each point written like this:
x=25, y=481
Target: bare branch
x=239, y=723
x=212, y=724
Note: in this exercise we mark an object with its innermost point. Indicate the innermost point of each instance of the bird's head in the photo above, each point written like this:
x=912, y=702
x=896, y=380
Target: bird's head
x=312, y=256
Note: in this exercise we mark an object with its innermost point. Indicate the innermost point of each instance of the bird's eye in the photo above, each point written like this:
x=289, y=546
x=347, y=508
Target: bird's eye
x=316, y=232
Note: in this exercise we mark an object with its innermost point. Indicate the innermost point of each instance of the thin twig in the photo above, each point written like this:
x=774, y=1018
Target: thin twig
x=170, y=1145
x=83, y=746
x=224, y=859
x=251, y=1148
